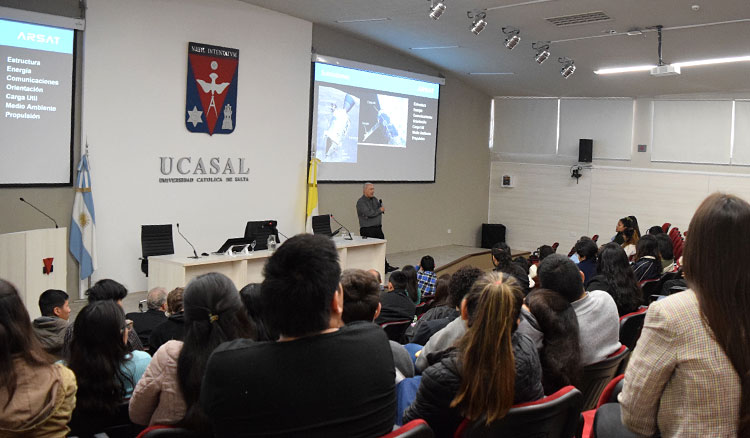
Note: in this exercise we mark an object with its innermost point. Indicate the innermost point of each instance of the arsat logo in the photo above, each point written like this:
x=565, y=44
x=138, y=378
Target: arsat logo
x=38, y=38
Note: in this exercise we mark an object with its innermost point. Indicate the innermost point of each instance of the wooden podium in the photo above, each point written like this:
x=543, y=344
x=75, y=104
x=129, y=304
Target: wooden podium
x=25, y=259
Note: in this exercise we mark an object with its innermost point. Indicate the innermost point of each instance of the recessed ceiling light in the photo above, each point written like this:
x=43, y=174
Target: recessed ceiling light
x=363, y=20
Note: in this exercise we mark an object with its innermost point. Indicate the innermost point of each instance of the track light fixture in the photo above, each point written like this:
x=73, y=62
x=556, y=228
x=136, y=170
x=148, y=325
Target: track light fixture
x=436, y=9
x=478, y=20
x=512, y=39
x=569, y=67
x=542, y=51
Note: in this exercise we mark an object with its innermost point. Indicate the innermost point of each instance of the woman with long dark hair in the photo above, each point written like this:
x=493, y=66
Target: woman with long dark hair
x=492, y=368
x=36, y=397
x=617, y=279
x=213, y=314
x=647, y=265
x=689, y=375
x=412, y=285
x=105, y=368
x=501, y=256
x=560, y=355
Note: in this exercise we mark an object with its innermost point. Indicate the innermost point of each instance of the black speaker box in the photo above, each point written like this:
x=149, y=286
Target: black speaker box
x=585, y=150
x=492, y=234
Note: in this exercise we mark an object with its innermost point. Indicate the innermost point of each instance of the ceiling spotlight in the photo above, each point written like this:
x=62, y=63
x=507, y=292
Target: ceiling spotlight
x=478, y=20
x=569, y=67
x=436, y=9
x=513, y=39
x=542, y=51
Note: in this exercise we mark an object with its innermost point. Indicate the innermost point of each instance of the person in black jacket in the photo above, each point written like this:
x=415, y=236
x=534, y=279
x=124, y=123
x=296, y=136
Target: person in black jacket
x=395, y=302
x=617, y=279
x=174, y=326
x=491, y=369
x=647, y=264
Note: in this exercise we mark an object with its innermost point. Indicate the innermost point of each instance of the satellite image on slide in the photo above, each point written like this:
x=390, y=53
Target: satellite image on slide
x=337, y=124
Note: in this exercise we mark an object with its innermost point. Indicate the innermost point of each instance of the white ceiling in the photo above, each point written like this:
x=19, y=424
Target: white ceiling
x=592, y=45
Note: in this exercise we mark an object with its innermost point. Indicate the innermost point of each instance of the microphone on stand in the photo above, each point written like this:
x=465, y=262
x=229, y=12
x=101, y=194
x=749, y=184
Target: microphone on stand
x=348, y=235
x=195, y=253
x=40, y=211
x=276, y=228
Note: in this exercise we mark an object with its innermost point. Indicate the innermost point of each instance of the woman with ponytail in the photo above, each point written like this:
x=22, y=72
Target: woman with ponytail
x=169, y=391
x=689, y=375
x=491, y=368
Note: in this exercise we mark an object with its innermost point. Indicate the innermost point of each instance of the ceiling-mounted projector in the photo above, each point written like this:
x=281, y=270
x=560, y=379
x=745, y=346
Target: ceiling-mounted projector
x=665, y=70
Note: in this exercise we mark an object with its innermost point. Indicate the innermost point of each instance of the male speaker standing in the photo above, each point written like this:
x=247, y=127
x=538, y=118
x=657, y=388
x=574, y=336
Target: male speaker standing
x=370, y=212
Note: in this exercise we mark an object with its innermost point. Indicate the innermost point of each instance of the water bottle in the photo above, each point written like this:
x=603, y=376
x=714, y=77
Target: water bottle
x=271, y=243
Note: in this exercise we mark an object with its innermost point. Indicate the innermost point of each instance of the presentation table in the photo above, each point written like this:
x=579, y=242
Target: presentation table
x=171, y=271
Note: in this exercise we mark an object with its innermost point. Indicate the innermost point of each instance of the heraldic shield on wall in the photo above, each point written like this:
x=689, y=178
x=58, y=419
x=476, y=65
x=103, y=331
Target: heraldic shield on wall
x=211, y=99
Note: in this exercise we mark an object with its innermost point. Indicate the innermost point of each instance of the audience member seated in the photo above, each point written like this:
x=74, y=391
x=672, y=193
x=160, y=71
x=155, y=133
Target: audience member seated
x=145, y=322
x=362, y=303
x=560, y=354
x=492, y=368
x=412, y=284
x=688, y=375
x=426, y=276
x=253, y=302
x=441, y=334
x=586, y=250
x=543, y=252
x=616, y=277
x=168, y=392
x=51, y=326
x=596, y=311
x=376, y=274
x=618, y=238
x=36, y=396
x=655, y=230
x=441, y=298
x=630, y=237
x=666, y=252
x=105, y=290
x=395, y=302
x=647, y=264
x=106, y=369
x=174, y=327
x=321, y=378
x=501, y=256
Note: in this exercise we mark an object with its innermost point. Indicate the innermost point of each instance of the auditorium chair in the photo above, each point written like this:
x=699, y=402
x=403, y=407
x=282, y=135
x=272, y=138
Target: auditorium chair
x=155, y=240
x=665, y=226
x=396, y=329
x=596, y=376
x=414, y=429
x=609, y=395
x=649, y=287
x=117, y=425
x=555, y=416
x=321, y=224
x=169, y=432
x=631, y=326
x=421, y=309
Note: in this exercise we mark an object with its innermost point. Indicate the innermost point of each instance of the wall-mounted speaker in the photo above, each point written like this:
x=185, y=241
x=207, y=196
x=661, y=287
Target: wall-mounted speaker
x=585, y=150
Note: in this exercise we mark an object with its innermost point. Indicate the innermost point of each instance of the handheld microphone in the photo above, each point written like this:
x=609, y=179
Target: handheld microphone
x=195, y=253
x=40, y=211
x=348, y=235
x=381, y=204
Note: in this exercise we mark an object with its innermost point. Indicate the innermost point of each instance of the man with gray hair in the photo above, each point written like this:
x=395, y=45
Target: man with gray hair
x=145, y=322
x=370, y=213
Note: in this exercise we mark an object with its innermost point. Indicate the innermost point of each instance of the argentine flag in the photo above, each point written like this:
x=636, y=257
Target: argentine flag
x=83, y=225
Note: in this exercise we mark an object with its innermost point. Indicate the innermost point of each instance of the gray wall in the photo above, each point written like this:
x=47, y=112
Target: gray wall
x=55, y=201
x=420, y=215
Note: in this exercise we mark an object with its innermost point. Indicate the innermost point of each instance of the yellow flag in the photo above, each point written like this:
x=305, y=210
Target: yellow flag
x=312, y=186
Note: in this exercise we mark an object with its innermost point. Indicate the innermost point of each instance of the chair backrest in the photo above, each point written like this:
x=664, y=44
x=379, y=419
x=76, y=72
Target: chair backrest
x=396, y=329
x=420, y=309
x=651, y=286
x=117, y=425
x=595, y=238
x=613, y=388
x=169, y=432
x=677, y=249
x=631, y=326
x=155, y=240
x=321, y=224
x=259, y=232
x=597, y=375
x=414, y=429
x=665, y=226
x=554, y=416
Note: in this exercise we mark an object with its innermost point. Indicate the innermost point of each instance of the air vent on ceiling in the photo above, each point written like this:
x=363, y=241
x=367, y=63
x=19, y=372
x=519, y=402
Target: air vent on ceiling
x=585, y=18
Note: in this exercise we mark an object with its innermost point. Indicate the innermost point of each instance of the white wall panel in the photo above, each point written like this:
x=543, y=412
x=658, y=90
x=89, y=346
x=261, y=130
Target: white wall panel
x=609, y=122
